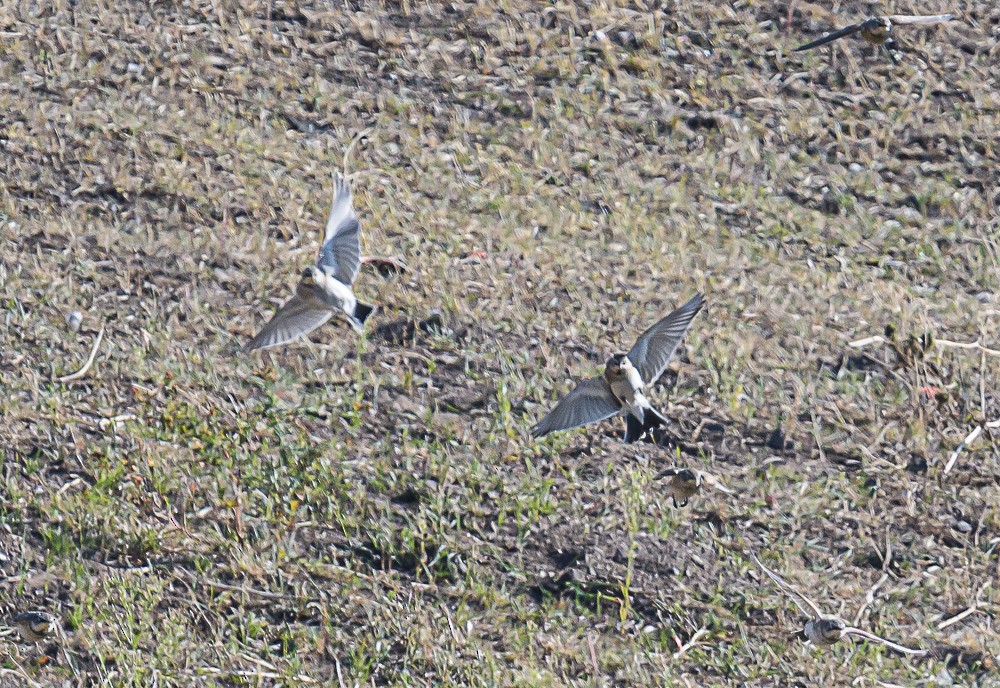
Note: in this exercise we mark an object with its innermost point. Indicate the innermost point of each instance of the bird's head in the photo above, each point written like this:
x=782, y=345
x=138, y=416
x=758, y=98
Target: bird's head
x=689, y=477
x=876, y=30
x=618, y=363
x=830, y=629
x=36, y=622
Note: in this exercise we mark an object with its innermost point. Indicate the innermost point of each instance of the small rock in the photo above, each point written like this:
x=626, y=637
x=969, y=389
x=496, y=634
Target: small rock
x=963, y=527
x=74, y=319
x=943, y=677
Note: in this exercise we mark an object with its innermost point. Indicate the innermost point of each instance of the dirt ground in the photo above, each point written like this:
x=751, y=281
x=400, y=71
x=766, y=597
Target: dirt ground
x=371, y=511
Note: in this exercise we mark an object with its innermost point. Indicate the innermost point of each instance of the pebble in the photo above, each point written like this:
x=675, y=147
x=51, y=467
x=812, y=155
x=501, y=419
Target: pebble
x=74, y=319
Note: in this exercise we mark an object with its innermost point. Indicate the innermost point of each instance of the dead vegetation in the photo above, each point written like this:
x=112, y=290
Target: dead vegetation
x=372, y=511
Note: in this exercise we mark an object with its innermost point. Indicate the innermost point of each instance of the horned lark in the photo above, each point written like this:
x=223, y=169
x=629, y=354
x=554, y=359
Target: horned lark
x=821, y=629
x=621, y=389
x=877, y=30
x=325, y=288
x=686, y=482
x=35, y=626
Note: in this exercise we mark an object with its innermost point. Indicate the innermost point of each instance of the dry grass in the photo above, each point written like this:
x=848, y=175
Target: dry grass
x=372, y=512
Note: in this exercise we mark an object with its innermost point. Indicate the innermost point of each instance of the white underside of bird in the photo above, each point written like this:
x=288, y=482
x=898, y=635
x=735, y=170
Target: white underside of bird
x=629, y=391
x=335, y=293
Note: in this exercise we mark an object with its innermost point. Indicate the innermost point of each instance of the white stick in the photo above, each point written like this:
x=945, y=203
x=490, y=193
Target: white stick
x=691, y=643
x=968, y=438
x=861, y=343
x=90, y=361
x=967, y=345
x=958, y=617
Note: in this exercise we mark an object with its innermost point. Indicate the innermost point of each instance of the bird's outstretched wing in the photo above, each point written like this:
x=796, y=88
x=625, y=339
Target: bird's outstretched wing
x=713, y=481
x=920, y=19
x=830, y=37
x=791, y=592
x=296, y=318
x=590, y=402
x=850, y=630
x=654, y=349
x=341, y=252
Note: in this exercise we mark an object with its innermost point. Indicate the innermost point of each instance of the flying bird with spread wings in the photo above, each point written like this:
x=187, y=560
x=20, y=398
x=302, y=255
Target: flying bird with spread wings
x=621, y=389
x=878, y=30
x=821, y=629
x=684, y=483
x=325, y=288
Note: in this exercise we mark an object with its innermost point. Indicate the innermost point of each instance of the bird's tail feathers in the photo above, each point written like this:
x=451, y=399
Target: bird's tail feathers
x=362, y=311
x=635, y=428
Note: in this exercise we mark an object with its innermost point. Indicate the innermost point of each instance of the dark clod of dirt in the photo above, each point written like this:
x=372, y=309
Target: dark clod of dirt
x=964, y=660
x=397, y=332
x=776, y=440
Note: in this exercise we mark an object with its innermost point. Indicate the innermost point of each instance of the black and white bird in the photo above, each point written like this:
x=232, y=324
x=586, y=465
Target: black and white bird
x=878, y=30
x=325, y=288
x=621, y=389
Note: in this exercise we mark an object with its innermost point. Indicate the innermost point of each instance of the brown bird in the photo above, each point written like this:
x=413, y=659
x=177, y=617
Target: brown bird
x=878, y=30
x=34, y=626
x=821, y=629
x=686, y=482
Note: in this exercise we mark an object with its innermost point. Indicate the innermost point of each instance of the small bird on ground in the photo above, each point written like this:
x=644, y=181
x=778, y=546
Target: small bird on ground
x=685, y=482
x=878, y=30
x=325, y=288
x=34, y=626
x=621, y=389
x=821, y=629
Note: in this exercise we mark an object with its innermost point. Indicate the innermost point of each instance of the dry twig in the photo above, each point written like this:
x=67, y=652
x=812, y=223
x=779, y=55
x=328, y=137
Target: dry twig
x=90, y=360
x=698, y=635
x=944, y=343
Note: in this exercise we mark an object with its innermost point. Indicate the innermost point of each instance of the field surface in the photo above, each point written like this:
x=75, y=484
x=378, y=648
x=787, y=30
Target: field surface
x=372, y=511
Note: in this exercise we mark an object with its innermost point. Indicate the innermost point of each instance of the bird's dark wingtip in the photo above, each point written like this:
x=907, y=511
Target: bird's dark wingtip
x=697, y=302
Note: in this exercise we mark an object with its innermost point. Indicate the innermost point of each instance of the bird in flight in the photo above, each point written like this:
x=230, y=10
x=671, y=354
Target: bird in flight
x=34, y=626
x=686, y=482
x=621, y=389
x=821, y=629
x=878, y=30
x=325, y=288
